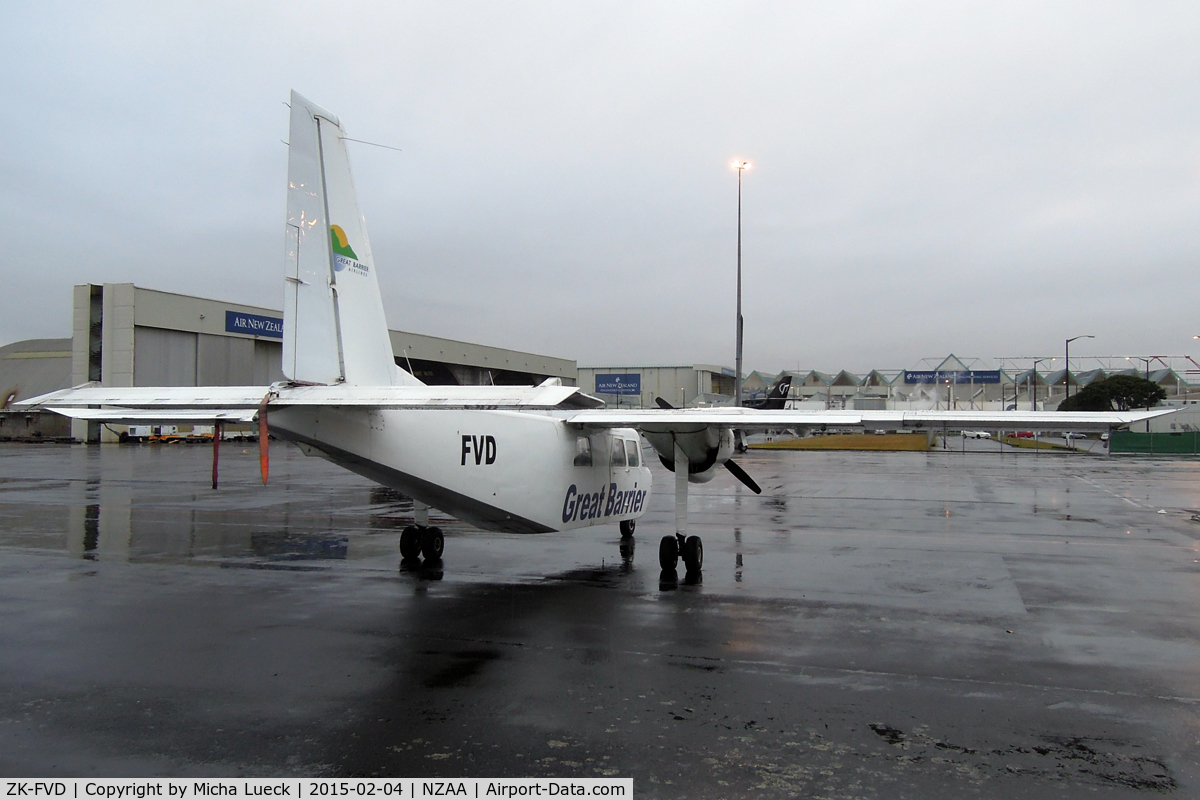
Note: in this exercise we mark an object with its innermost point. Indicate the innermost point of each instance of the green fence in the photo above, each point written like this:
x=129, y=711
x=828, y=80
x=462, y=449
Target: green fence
x=1156, y=443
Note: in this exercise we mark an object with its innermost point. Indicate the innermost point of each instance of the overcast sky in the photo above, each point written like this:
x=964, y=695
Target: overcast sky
x=983, y=179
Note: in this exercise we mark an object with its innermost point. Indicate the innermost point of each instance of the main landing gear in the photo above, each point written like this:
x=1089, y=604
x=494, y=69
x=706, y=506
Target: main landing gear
x=689, y=548
x=421, y=540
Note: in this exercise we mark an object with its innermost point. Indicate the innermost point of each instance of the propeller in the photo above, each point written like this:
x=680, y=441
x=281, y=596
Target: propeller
x=264, y=461
x=730, y=465
x=741, y=475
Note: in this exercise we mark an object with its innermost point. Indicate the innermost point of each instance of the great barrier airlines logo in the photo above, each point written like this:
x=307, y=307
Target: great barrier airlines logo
x=607, y=502
x=344, y=256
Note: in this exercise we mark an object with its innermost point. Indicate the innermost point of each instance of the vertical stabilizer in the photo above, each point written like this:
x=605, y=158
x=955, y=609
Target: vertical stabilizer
x=777, y=397
x=334, y=329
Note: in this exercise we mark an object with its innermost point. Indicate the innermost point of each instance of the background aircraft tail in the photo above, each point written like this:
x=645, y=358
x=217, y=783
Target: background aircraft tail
x=334, y=329
x=777, y=396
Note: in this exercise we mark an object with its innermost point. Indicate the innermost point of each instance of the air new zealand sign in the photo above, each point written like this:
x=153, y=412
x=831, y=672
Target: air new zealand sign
x=952, y=376
x=253, y=324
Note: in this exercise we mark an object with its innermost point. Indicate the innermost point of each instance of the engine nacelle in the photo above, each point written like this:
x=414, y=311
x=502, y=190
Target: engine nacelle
x=707, y=448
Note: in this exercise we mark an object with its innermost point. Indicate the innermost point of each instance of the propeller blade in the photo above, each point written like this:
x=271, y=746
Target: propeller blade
x=741, y=475
x=663, y=403
x=264, y=461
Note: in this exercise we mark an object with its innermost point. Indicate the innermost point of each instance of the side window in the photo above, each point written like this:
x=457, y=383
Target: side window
x=583, y=451
x=631, y=452
x=618, y=452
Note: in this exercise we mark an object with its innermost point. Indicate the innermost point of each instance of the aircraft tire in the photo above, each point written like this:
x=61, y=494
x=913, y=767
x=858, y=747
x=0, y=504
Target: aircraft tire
x=693, y=554
x=432, y=543
x=627, y=526
x=668, y=553
x=410, y=542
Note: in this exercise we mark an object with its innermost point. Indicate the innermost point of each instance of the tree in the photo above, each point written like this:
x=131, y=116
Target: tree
x=1132, y=391
x=1090, y=398
x=1121, y=392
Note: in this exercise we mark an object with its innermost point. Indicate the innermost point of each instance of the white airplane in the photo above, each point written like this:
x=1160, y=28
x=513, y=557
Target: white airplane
x=530, y=459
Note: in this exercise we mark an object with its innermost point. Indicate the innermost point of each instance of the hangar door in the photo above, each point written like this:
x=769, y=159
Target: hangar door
x=180, y=358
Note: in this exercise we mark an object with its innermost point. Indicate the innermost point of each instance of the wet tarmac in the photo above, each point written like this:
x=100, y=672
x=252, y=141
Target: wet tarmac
x=946, y=624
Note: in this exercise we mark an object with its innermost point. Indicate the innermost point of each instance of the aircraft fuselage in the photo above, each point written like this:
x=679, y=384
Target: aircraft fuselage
x=499, y=470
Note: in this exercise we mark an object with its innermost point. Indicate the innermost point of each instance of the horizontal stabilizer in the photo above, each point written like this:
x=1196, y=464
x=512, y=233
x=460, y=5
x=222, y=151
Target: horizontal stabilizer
x=283, y=395
x=182, y=397
x=136, y=416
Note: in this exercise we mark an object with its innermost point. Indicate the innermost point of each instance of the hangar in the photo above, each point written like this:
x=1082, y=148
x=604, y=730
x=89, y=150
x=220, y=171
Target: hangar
x=127, y=335
x=27, y=369
x=689, y=385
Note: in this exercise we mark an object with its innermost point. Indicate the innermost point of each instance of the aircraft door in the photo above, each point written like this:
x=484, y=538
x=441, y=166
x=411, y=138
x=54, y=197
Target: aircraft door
x=618, y=463
x=633, y=453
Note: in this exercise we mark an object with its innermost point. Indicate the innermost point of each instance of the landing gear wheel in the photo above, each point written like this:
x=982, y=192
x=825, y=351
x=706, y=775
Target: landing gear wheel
x=693, y=554
x=627, y=526
x=410, y=542
x=668, y=553
x=432, y=543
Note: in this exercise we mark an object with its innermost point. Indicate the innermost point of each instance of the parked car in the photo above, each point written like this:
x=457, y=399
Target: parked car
x=976, y=435
x=1024, y=434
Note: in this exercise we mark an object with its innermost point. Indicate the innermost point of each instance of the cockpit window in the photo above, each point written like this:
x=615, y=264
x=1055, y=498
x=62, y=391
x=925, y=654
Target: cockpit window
x=583, y=451
x=631, y=452
x=618, y=452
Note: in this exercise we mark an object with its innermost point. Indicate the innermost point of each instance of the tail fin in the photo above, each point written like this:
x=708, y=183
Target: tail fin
x=777, y=397
x=334, y=329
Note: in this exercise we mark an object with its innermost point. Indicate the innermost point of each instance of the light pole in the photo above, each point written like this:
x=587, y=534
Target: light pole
x=1147, y=362
x=1144, y=360
x=1033, y=382
x=740, y=166
x=1067, y=369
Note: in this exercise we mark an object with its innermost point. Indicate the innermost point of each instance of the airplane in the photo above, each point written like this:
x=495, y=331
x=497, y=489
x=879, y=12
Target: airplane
x=526, y=459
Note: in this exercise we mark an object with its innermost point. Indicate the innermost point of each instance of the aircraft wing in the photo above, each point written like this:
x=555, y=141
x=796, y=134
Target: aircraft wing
x=687, y=420
x=239, y=403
